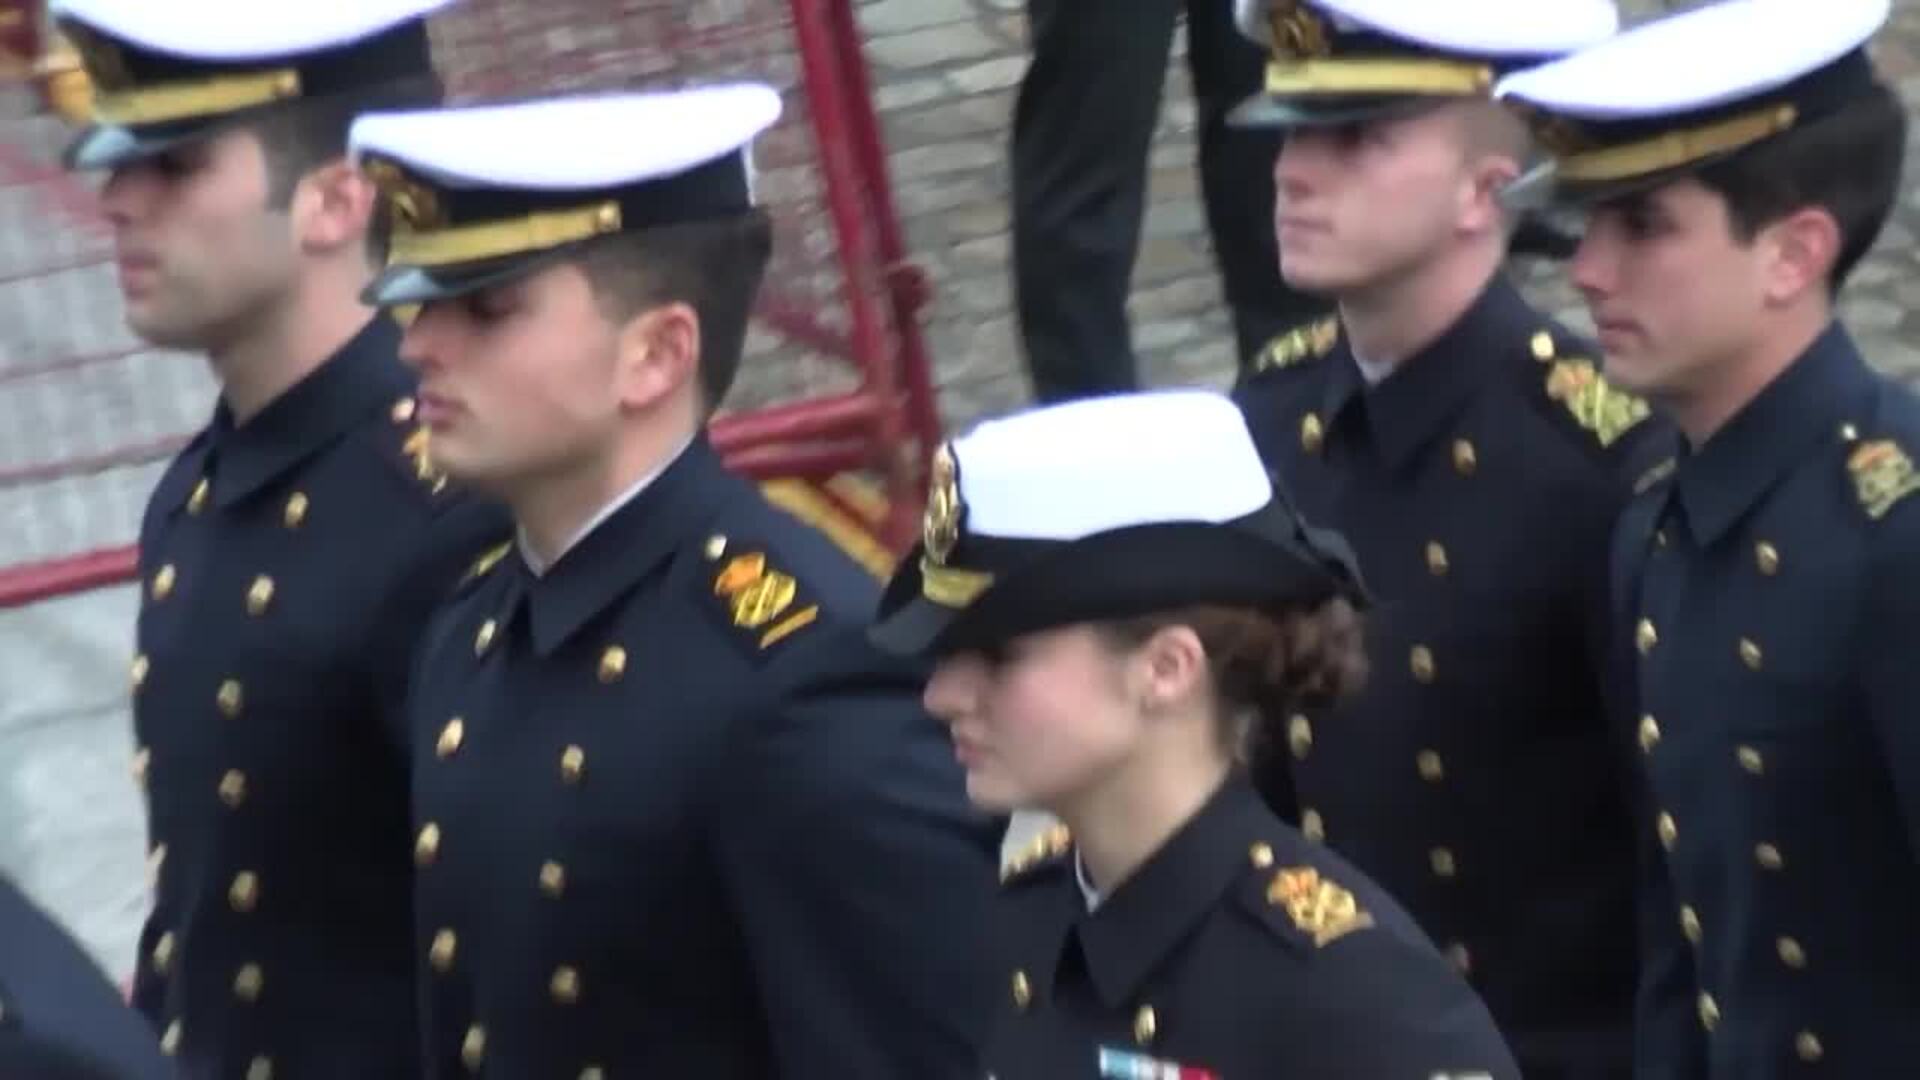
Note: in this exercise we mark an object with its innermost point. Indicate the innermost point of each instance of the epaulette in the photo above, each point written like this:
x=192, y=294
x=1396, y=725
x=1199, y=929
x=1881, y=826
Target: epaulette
x=1882, y=475
x=761, y=604
x=1322, y=911
x=1654, y=475
x=1298, y=345
x=848, y=531
x=1604, y=410
x=488, y=559
x=410, y=452
x=1050, y=845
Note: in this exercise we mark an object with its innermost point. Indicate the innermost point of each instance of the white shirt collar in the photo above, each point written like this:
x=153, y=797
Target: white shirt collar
x=600, y=517
x=1087, y=891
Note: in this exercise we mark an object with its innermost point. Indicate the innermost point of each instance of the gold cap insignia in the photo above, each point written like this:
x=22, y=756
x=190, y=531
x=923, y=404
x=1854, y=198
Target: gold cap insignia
x=940, y=529
x=1298, y=31
x=1596, y=404
x=1320, y=909
x=414, y=205
x=1882, y=475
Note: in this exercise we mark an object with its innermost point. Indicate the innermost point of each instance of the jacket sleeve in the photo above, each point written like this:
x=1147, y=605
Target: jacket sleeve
x=860, y=876
x=1890, y=676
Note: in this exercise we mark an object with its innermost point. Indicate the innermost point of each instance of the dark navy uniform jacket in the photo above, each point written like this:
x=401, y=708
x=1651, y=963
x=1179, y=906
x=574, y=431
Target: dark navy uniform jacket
x=288, y=567
x=1478, y=778
x=1239, y=949
x=675, y=817
x=60, y=1019
x=1772, y=584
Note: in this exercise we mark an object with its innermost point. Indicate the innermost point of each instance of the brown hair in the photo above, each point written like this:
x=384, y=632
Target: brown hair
x=1266, y=664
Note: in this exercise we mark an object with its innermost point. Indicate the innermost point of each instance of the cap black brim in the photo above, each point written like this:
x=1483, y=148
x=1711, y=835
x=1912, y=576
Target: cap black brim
x=107, y=146
x=1266, y=111
x=401, y=284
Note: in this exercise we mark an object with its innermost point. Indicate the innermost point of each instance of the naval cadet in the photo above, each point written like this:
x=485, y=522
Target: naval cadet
x=291, y=553
x=1737, y=162
x=1472, y=453
x=60, y=1019
x=674, y=815
x=1117, y=600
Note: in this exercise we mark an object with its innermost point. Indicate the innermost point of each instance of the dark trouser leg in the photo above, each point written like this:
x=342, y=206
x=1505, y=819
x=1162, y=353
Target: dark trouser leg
x=1236, y=179
x=1081, y=133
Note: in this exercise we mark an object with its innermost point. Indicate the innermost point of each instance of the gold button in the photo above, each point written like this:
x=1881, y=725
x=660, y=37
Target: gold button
x=1709, y=1012
x=451, y=737
x=473, y=1048
x=565, y=985
x=1436, y=558
x=1750, y=653
x=233, y=788
x=607, y=217
x=483, y=640
x=156, y=859
x=1432, y=769
x=260, y=1068
x=1649, y=733
x=142, y=760
x=1421, y=663
x=573, y=762
x=1312, y=827
x=141, y=665
x=1690, y=923
x=163, y=581
x=1849, y=433
x=427, y=845
x=1668, y=830
x=441, y=953
x=1791, y=953
x=716, y=546
x=1543, y=346
x=1442, y=861
x=244, y=893
x=1767, y=558
x=1312, y=435
x=1768, y=857
x=403, y=410
x=613, y=664
x=230, y=698
x=296, y=510
x=553, y=879
x=197, y=501
x=163, y=953
x=1145, y=1024
x=1465, y=460
x=1645, y=637
x=259, y=595
x=170, y=1039
x=1262, y=856
x=248, y=983
x=1807, y=1045
x=1022, y=990
x=1300, y=735
x=1460, y=958
x=1751, y=760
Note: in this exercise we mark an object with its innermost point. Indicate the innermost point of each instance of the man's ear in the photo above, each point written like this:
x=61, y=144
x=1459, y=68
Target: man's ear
x=1802, y=249
x=332, y=207
x=659, y=353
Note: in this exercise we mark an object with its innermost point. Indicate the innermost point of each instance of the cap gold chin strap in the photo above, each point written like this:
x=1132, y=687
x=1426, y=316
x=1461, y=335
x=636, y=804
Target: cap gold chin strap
x=1674, y=149
x=166, y=102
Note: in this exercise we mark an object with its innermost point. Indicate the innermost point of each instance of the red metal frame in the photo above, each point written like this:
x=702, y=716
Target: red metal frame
x=886, y=426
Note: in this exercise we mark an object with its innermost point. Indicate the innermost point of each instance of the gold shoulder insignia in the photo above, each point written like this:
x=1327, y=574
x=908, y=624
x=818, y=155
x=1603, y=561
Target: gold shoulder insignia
x=758, y=597
x=1299, y=345
x=1882, y=475
x=1595, y=403
x=416, y=447
x=846, y=529
x=1052, y=843
x=488, y=559
x=1319, y=908
x=1654, y=475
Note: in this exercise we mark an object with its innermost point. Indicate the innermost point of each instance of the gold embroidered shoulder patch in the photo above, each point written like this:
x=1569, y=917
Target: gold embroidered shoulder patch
x=757, y=595
x=1299, y=345
x=1320, y=909
x=1882, y=474
x=488, y=559
x=1596, y=404
x=1052, y=843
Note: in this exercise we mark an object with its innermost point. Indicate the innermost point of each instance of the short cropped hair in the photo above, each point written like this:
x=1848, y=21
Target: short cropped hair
x=1847, y=163
x=714, y=267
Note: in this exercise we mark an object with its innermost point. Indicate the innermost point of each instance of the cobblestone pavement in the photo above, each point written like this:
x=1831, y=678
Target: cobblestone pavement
x=945, y=74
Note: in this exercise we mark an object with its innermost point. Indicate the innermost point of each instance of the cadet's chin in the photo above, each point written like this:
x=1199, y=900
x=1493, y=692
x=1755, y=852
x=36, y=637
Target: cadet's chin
x=991, y=793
